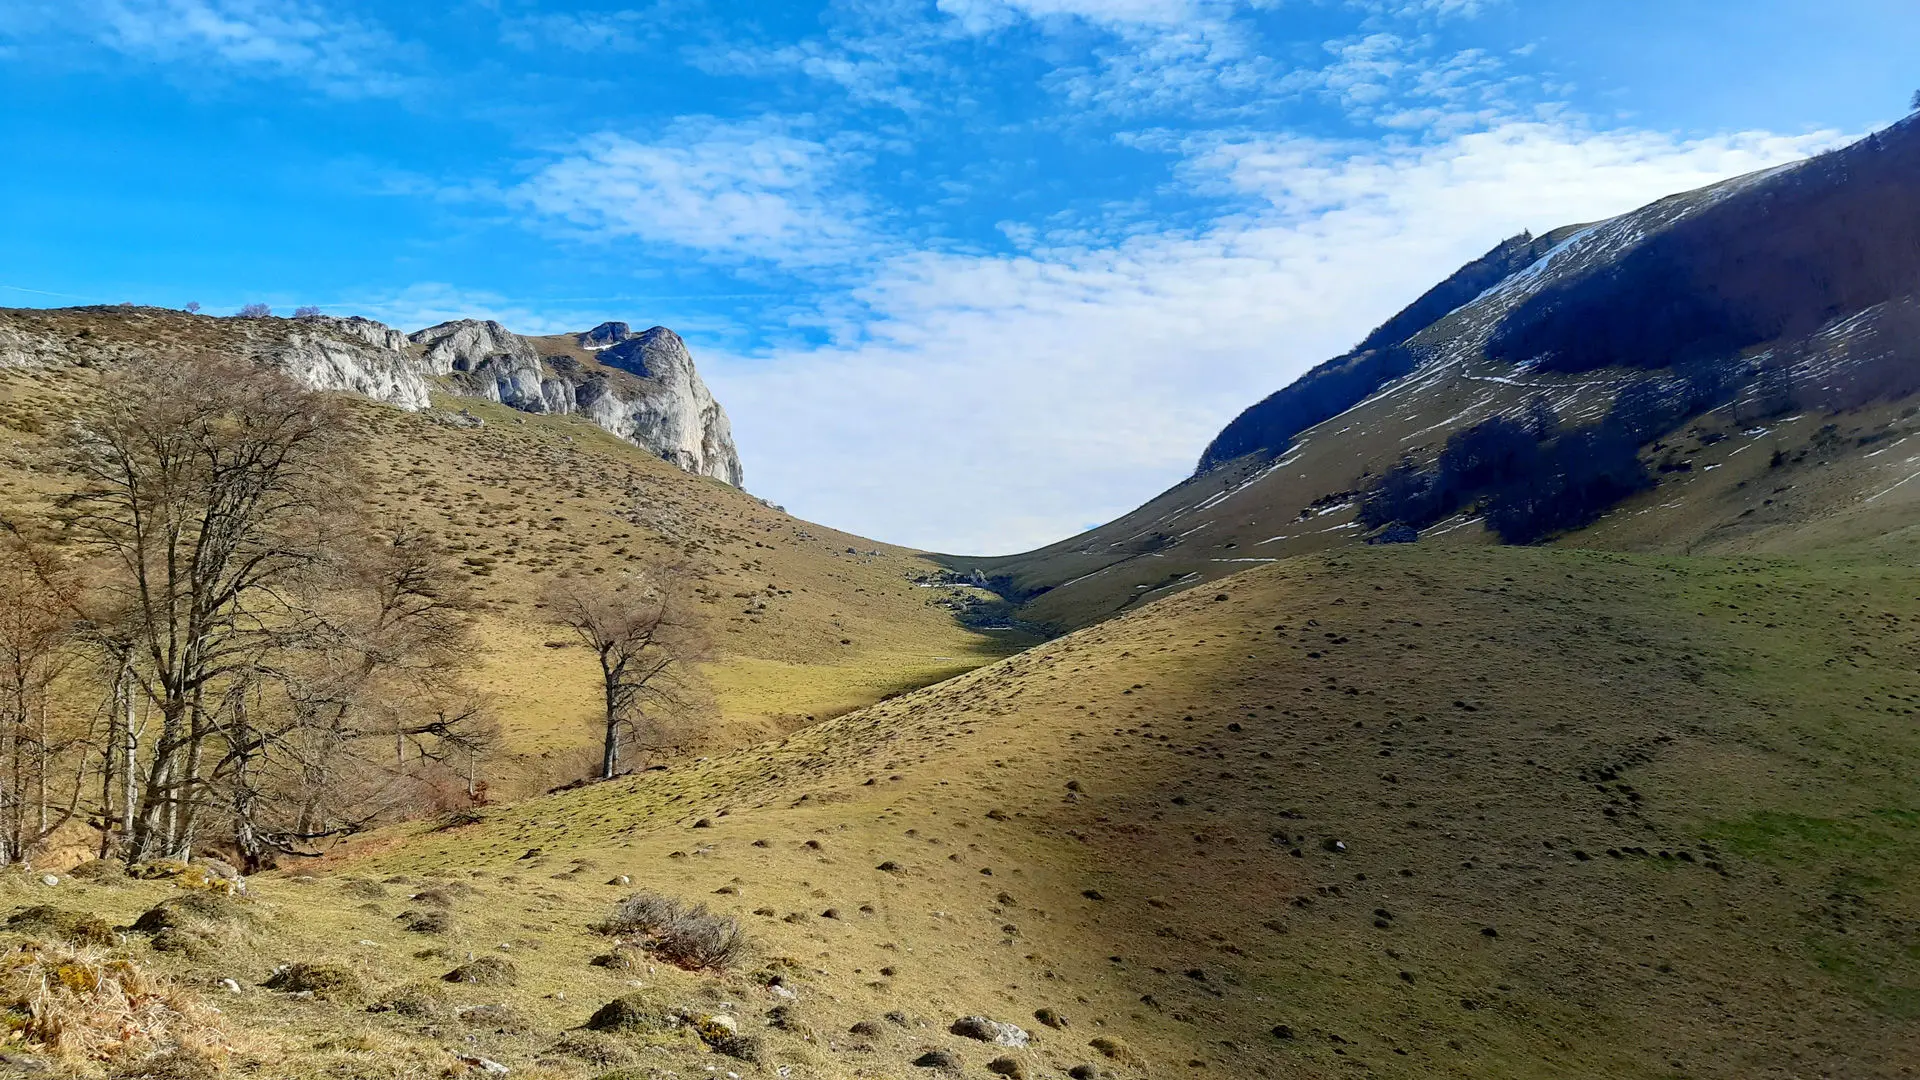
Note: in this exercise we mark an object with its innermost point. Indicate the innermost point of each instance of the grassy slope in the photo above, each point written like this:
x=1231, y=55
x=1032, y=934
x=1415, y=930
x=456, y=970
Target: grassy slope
x=524, y=500
x=1835, y=489
x=1481, y=728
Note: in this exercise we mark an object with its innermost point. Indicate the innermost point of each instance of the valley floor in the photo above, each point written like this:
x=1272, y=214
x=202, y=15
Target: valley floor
x=1402, y=812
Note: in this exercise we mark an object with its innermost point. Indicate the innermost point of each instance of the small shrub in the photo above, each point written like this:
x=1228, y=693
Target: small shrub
x=699, y=940
x=641, y=913
x=692, y=938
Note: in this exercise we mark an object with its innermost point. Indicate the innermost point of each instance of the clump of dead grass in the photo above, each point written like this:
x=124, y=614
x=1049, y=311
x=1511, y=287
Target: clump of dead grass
x=693, y=938
x=95, y=1013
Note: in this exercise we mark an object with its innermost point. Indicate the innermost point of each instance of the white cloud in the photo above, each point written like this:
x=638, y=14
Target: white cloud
x=983, y=15
x=625, y=30
x=998, y=403
x=868, y=69
x=339, y=55
x=746, y=191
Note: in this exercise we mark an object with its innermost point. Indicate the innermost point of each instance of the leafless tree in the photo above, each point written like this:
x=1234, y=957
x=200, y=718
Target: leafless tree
x=307, y=311
x=644, y=652
x=36, y=647
x=254, y=311
x=192, y=308
x=379, y=666
x=204, y=489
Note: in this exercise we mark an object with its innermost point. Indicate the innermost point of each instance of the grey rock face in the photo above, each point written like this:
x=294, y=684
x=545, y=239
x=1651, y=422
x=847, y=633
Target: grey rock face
x=355, y=355
x=677, y=418
x=666, y=409
x=378, y=335
x=607, y=333
x=487, y=360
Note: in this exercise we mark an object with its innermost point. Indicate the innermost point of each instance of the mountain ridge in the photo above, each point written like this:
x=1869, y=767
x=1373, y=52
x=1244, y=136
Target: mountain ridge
x=665, y=408
x=1501, y=339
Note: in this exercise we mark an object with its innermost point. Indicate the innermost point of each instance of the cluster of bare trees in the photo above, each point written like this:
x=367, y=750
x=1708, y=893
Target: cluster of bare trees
x=203, y=641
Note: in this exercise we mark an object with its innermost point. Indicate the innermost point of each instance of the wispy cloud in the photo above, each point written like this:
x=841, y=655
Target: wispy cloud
x=337, y=54
x=1390, y=81
x=621, y=31
x=869, y=69
x=750, y=191
x=1424, y=10
x=979, y=16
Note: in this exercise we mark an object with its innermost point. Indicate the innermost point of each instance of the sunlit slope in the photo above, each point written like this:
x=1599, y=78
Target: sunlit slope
x=803, y=621
x=1479, y=812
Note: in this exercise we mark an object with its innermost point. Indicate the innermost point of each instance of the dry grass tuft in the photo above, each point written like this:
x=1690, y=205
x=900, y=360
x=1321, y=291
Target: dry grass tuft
x=90, y=1011
x=692, y=938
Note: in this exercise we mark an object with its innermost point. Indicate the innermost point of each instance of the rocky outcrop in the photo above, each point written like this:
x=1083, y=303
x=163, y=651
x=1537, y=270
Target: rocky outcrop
x=674, y=413
x=486, y=360
x=355, y=355
x=643, y=389
x=607, y=333
x=378, y=335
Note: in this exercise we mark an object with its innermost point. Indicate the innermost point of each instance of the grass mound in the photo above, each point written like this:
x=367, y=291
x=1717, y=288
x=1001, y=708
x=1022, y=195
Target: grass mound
x=73, y=927
x=329, y=982
x=485, y=971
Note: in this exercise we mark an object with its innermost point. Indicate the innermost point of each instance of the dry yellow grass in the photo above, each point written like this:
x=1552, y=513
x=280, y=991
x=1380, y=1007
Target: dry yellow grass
x=805, y=622
x=1269, y=834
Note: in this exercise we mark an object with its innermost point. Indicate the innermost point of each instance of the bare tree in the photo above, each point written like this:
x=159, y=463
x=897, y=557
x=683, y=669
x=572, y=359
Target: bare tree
x=378, y=667
x=644, y=652
x=36, y=646
x=203, y=487
x=192, y=308
x=1914, y=103
x=254, y=311
x=307, y=311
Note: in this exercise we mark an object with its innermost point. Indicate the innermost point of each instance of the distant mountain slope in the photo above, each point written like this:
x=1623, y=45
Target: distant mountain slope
x=1754, y=312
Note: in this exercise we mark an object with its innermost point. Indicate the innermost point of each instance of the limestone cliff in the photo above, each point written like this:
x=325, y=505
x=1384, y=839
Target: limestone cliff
x=641, y=387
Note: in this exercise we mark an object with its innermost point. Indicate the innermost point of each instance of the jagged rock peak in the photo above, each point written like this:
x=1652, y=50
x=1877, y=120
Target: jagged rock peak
x=607, y=333
x=487, y=360
x=647, y=352
x=465, y=344
x=671, y=412
x=676, y=415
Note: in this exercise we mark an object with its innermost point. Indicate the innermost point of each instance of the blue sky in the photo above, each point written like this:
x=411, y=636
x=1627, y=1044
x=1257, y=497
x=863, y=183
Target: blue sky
x=967, y=274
